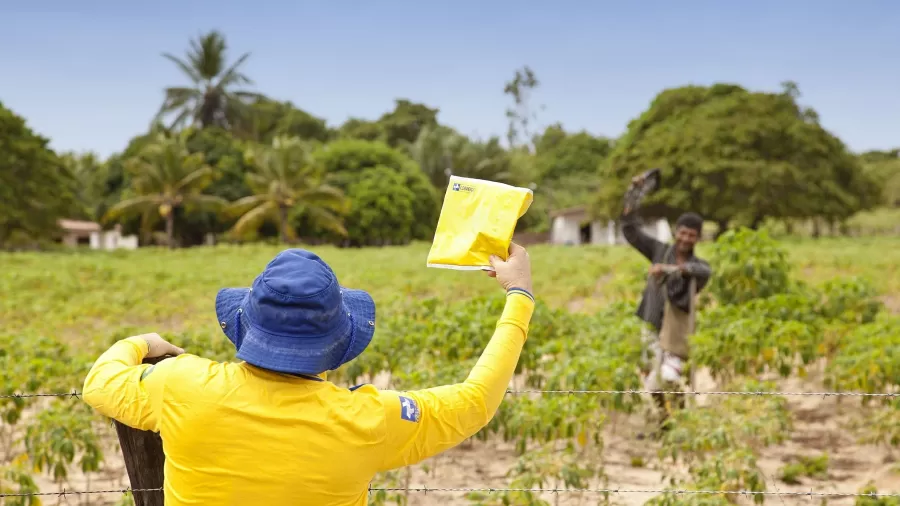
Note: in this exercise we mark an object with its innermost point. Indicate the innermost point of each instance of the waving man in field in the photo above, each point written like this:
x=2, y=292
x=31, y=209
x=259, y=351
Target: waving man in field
x=272, y=429
x=676, y=275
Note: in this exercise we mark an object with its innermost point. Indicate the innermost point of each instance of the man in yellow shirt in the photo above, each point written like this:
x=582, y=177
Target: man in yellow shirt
x=271, y=430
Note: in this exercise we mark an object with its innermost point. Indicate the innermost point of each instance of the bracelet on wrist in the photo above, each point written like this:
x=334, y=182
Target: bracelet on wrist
x=520, y=291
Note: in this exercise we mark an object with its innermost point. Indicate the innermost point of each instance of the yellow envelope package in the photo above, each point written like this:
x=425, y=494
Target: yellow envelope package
x=477, y=220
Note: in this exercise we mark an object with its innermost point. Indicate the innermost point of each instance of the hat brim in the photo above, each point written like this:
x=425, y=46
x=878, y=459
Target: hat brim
x=292, y=354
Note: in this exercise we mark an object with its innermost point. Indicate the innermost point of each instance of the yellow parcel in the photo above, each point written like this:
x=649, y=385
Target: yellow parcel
x=477, y=220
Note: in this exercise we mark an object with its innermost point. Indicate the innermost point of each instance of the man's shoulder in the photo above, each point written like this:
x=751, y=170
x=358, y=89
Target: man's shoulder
x=660, y=249
x=364, y=399
x=188, y=367
x=361, y=393
x=190, y=360
x=388, y=400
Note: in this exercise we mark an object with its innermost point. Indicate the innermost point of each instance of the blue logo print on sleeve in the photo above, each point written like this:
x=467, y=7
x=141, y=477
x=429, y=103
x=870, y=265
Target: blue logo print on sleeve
x=409, y=410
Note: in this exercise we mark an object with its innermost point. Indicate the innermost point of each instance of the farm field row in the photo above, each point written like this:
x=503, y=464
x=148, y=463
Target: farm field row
x=791, y=316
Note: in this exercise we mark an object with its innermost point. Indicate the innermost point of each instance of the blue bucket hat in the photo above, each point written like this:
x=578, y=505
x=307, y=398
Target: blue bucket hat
x=296, y=318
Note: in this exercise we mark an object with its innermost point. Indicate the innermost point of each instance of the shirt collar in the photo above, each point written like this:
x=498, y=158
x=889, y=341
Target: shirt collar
x=322, y=376
x=315, y=377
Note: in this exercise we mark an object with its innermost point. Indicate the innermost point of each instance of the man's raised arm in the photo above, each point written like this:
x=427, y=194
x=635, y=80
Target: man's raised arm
x=423, y=423
x=631, y=225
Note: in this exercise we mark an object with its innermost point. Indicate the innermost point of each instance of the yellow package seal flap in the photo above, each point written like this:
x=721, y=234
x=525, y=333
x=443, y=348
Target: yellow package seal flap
x=477, y=220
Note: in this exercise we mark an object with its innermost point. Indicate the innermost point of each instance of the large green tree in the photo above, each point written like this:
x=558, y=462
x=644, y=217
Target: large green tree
x=165, y=176
x=396, y=128
x=406, y=121
x=362, y=129
x=382, y=208
x=564, y=171
x=285, y=180
x=117, y=178
x=36, y=187
x=220, y=151
x=737, y=156
x=225, y=155
x=884, y=167
x=560, y=154
x=90, y=173
x=266, y=119
x=345, y=160
x=212, y=98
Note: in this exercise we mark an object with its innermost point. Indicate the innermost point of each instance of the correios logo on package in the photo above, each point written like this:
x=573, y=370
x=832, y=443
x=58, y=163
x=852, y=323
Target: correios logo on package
x=463, y=188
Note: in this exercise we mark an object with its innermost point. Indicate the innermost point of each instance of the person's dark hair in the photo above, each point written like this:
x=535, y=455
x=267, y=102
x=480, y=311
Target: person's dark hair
x=690, y=220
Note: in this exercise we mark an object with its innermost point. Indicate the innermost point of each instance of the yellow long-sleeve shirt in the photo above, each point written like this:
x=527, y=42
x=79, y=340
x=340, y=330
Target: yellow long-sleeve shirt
x=234, y=434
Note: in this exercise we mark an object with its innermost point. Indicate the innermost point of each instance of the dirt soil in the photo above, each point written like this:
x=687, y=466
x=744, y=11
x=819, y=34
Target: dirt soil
x=818, y=428
x=891, y=303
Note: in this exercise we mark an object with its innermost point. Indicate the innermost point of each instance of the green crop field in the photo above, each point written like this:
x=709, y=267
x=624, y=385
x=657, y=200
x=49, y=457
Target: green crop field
x=794, y=361
x=798, y=315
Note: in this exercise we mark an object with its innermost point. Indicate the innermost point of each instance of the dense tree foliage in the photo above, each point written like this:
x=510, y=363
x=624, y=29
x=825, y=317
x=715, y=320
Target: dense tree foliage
x=738, y=157
x=884, y=168
x=346, y=160
x=383, y=208
x=89, y=172
x=36, y=187
x=265, y=119
x=441, y=152
x=166, y=176
x=400, y=126
x=560, y=154
x=285, y=180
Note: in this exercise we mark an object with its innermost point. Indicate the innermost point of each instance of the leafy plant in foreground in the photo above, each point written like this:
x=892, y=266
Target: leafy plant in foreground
x=58, y=435
x=868, y=358
x=812, y=467
x=720, y=442
x=544, y=467
x=15, y=479
x=869, y=488
x=748, y=265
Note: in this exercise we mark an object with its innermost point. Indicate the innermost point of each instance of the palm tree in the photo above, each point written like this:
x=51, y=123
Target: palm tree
x=166, y=176
x=440, y=151
x=487, y=160
x=285, y=179
x=210, y=100
x=437, y=151
x=91, y=173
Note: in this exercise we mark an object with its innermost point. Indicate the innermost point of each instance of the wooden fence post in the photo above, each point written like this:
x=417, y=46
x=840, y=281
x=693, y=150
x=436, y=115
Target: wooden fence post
x=144, y=458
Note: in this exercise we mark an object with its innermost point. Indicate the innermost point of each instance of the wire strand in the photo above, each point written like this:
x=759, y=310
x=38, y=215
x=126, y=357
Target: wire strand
x=76, y=394
x=493, y=490
x=423, y=489
x=693, y=392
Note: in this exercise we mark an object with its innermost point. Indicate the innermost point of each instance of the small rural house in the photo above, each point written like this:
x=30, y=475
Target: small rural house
x=574, y=227
x=77, y=232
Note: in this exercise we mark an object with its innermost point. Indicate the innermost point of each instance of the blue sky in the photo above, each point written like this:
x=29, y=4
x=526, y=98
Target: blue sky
x=89, y=75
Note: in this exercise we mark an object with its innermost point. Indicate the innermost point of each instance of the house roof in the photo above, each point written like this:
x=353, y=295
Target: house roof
x=79, y=226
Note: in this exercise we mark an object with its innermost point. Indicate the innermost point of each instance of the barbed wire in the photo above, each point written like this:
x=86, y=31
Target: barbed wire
x=74, y=393
x=713, y=392
x=495, y=490
x=748, y=393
